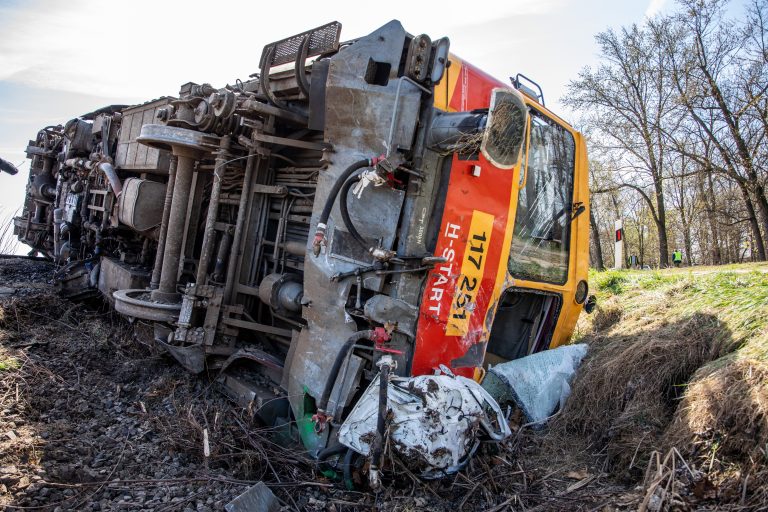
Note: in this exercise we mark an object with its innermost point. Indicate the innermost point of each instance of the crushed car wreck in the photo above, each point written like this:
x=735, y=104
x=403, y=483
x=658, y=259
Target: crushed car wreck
x=345, y=242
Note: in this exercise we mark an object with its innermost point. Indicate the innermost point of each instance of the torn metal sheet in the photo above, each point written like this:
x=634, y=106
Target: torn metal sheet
x=436, y=421
x=258, y=498
x=538, y=383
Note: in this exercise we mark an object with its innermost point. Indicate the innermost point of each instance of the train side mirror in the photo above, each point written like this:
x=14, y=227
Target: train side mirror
x=505, y=130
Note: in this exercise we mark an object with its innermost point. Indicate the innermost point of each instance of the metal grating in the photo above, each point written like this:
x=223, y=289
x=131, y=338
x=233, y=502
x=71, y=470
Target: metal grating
x=321, y=40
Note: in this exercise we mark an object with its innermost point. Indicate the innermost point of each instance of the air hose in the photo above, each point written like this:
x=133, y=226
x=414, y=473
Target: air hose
x=336, y=369
x=378, y=335
x=347, y=469
x=344, y=207
x=330, y=452
x=332, y=195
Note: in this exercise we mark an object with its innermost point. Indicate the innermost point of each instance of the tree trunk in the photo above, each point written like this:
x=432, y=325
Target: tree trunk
x=742, y=149
x=661, y=225
x=715, y=251
x=762, y=205
x=753, y=221
x=688, y=244
x=599, y=263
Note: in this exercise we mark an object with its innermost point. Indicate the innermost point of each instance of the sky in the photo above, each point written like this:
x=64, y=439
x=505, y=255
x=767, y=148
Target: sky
x=62, y=59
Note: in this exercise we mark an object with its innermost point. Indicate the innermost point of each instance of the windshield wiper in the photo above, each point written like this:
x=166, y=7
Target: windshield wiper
x=575, y=210
x=579, y=209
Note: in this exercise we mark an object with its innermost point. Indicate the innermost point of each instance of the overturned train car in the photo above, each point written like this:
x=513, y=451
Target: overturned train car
x=356, y=209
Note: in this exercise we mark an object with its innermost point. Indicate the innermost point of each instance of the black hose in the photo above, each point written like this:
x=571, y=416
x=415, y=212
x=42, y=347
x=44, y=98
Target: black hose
x=378, y=444
x=337, y=187
x=344, y=207
x=330, y=451
x=336, y=369
x=8, y=167
x=347, y=469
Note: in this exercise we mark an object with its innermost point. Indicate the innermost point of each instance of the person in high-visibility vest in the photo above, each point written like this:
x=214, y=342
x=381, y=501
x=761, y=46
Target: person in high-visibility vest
x=677, y=258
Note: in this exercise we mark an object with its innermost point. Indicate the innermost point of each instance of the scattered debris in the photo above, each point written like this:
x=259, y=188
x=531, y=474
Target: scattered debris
x=435, y=421
x=258, y=498
x=539, y=383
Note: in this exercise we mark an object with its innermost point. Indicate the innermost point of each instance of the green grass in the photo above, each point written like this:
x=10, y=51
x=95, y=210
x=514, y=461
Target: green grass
x=689, y=347
x=609, y=281
x=9, y=363
x=737, y=295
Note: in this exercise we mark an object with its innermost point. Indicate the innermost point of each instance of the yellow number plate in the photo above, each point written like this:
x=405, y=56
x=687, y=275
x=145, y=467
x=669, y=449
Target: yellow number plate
x=472, y=266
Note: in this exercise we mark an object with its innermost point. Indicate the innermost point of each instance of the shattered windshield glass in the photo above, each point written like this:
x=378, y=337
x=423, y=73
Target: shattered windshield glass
x=540, y=241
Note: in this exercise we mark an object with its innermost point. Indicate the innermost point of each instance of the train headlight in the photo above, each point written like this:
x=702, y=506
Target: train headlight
x=582, y=289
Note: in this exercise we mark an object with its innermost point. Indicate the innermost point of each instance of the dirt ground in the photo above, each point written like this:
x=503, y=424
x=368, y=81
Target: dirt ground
x=93, y=417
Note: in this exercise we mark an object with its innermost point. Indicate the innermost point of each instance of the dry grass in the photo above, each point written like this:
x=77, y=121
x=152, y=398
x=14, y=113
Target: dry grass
x=607, y=315
x=727, y=406
x=722, y=423
x=626, y=391
x=678, y=366
x=8, y=241
x=503, y=133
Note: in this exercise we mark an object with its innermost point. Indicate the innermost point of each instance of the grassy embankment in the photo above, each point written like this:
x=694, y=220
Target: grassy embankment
x=677, y=377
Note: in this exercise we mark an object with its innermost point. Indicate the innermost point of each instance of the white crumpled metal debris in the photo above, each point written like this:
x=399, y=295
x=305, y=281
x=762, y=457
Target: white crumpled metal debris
x=435, y=421
x=537, y=383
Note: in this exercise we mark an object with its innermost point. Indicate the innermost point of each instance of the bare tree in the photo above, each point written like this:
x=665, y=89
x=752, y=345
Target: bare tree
x=677, y=115
x=629, y=100
x=706, y=58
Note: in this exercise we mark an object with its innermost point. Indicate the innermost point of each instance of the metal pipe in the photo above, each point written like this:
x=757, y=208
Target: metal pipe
x=58, y=218
x=237, y=238
x=385, y=365
x=301, y=72
x=396, y=109
x=39, y=209
x=84, y=212
x=285, y=208
x=174, y=237
x=213, y=210
x=294, y=247
x=221, y=256
x=112, y=177
x=144, y=256
x=155, y=281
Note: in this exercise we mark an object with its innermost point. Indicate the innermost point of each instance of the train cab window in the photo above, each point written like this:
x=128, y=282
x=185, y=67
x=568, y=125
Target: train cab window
x=541, y=237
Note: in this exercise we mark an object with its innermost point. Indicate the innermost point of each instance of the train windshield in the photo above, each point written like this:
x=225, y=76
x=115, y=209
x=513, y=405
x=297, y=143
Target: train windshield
x=540, y=242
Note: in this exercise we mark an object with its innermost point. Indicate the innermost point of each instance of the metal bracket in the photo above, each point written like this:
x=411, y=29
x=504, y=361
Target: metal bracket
x=282, y=141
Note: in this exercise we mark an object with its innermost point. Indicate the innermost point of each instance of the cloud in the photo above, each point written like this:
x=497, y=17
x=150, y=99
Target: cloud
x=146, y=48
x=654, y=7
